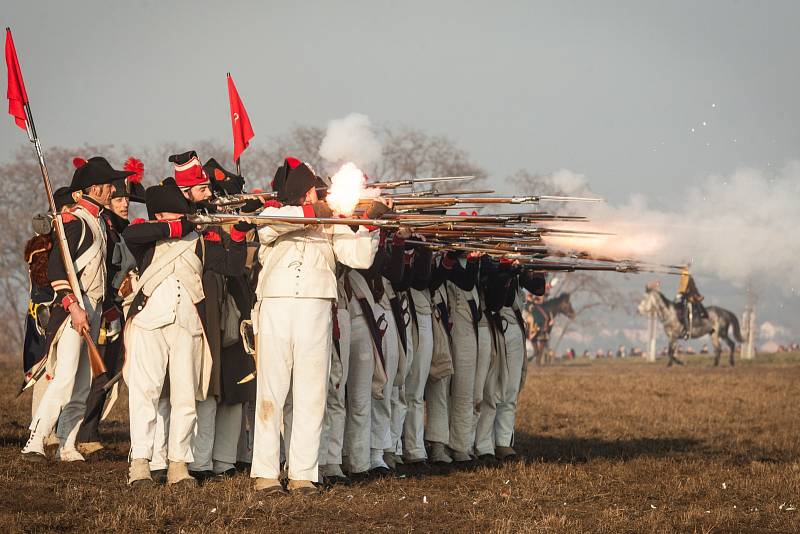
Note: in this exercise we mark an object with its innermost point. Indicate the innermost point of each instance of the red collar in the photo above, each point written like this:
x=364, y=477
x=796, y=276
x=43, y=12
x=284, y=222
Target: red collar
x=89, y=205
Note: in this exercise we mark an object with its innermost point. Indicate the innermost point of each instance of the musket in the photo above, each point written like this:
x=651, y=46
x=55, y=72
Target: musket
x=267, y=220
x=437, y=193
x=95, y=360
x=486, y=230
x=416, y=181
x=454, y=201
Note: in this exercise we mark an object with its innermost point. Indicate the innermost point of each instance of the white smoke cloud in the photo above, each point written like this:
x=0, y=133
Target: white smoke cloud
x=741, y=228
x=772, y=331
x=351, y=139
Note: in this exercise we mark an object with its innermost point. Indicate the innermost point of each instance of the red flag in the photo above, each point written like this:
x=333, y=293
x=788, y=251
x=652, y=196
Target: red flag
x=17, y=96
x=242, y=131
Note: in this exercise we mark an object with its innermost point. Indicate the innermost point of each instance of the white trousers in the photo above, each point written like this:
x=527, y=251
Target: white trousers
x=358, y=419
x=510, y=383
x=400, y=396
x=381, y=435
x=414, y=425
x=203, y=441
x=484, y=430
x=332, y=440
x=437, y=393
x=64, y=400
x=481, y=373
x=226, y=436
x=161, y=435
x=173, y=349
x=294, y=350
x=462, y=383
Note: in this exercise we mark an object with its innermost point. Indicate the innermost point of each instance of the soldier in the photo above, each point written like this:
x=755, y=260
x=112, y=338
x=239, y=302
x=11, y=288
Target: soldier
x=332, y=438
x=296, y=288
x=422, y=341
x=689, y=301
x=165, y=335
x=463, y=301
x=119, y=262
x=42, y=298
x=437, y=388
x=65, y=399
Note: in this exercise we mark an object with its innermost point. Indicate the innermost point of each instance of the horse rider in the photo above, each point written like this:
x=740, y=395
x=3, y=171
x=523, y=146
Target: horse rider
x=689, y=301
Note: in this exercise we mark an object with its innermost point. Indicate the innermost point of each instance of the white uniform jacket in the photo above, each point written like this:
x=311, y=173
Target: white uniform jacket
x=300, y=260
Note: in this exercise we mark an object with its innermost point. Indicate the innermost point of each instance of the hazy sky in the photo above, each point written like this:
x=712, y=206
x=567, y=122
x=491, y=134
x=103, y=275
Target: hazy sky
x=611, y=90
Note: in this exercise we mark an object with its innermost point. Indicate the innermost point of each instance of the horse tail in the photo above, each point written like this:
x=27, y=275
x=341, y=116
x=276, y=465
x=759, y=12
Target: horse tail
x=737, y=333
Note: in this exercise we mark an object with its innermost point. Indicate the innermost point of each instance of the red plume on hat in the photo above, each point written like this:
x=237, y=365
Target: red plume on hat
x=78, y=162
x=136, y=167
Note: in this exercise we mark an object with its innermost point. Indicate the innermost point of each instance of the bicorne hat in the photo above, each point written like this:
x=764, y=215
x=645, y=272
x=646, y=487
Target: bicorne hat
x=292, y=181
x=223, y=182
x=166, y=197
x=131, y=187
x=95, y=171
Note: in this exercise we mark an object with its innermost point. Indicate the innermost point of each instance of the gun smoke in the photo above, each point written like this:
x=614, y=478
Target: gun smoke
x=351, y=139
x=742, y=228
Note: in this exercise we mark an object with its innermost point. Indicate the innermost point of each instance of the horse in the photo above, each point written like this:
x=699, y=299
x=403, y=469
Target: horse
x=717, y=324
x=540, y=322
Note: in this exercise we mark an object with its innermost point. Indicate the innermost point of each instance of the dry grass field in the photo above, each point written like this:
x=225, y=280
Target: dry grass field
x=616, y=446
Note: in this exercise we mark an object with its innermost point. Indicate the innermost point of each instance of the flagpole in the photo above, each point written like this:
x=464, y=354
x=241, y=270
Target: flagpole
x=66, y=257
x=238, y=169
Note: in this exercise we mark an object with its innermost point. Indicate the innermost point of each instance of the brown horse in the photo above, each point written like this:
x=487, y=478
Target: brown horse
x=540, y=323
x=717, y=325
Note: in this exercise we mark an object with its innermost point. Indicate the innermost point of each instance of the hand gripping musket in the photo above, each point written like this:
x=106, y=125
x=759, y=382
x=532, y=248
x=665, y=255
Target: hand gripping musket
x=95, y=360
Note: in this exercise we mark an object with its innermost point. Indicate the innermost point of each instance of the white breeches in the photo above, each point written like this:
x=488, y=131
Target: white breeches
x=358, y=419
x=172, y=349
x=226, y=436
x=294, y=350
x=400, y=396
x=64, y=400
x=462, y=383
x=203, y=442
x=414, y=425
x=510, y=383
x=331, y=443
x=381, y=436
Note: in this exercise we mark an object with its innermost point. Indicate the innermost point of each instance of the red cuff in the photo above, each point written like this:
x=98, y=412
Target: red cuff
x=174, y=228
x=272, y=204
x=68, y=300
x=138, y=220
x=238, y=235
x=308, y=211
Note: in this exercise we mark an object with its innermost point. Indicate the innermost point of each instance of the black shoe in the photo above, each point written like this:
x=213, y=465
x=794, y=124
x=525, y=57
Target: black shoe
x=243, y=467
x=159, y=476
x=489, y=460
x=338, y=480
x=202, y=476
x=228, y=473
x=380, y=472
